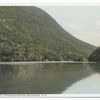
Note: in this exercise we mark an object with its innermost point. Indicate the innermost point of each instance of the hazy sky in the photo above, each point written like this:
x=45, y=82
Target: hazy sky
x=82, y=22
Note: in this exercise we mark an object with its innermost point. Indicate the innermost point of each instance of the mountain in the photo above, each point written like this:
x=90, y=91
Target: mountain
x=30, y=34
x=95, y=55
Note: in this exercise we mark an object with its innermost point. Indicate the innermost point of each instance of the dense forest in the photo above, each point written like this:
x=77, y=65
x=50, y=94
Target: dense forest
x=30, y=34
x=95, y=55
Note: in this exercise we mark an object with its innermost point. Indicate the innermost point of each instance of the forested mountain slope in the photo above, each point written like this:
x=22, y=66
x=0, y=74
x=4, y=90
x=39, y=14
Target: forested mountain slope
x=30, y=34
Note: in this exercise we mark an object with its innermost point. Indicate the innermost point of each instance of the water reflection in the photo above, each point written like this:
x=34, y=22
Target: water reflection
x=95, y=67
x=41, y=78
x=89, y=84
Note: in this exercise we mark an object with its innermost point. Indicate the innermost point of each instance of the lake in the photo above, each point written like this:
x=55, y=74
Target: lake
x=49, y=78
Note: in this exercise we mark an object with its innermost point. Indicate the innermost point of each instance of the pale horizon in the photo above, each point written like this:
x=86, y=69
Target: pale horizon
x=83, y=22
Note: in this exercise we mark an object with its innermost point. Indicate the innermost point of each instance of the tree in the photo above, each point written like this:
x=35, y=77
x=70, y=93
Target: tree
x=95, y=55
x=6, y=51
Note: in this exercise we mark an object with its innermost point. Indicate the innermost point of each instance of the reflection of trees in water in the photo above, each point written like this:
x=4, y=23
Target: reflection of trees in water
x=41, y=78
x=6, y=71
x=95, y=67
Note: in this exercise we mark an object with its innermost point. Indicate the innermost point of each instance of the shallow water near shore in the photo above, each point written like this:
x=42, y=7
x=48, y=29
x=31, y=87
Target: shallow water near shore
x=49, y=78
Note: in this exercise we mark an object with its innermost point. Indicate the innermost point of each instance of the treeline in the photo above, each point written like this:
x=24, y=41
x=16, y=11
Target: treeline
x=10, y=51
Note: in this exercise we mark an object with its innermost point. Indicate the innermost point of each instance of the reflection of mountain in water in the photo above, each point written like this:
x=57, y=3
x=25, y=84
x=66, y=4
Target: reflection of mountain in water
x=40, y=78
x=95, y=67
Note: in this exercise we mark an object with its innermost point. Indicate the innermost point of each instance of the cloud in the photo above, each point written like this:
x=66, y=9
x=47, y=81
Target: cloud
x=76, y=28
x=92, y=38
x=75, y=25
x=87, y=34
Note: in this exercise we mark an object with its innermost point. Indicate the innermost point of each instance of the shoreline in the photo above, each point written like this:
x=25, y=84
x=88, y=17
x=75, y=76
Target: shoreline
x=40, y=62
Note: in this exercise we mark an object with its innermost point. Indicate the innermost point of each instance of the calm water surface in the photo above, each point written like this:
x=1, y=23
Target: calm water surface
x=47, y=78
